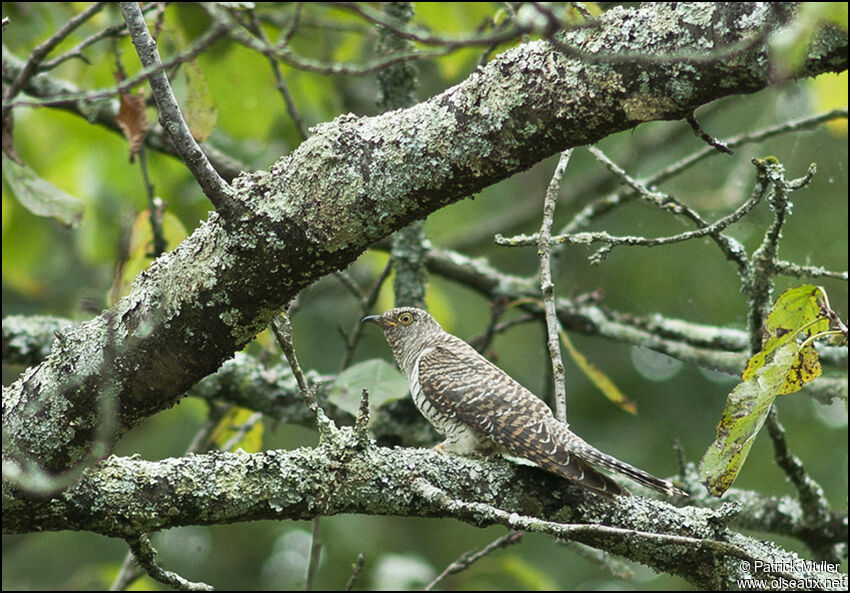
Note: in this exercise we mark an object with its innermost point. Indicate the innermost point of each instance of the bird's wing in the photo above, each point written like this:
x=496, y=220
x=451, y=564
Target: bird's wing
x=463, y=384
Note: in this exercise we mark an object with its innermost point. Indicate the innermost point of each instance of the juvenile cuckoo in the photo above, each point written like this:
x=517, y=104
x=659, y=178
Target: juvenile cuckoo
x=483, y=411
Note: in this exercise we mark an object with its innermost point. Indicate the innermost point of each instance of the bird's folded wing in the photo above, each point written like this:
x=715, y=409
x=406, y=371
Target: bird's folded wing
x=463, y=385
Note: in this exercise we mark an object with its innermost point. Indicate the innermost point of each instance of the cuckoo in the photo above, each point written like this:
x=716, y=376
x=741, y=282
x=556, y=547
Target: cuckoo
x=481, y=410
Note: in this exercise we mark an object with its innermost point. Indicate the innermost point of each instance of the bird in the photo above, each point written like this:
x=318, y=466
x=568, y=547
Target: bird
x=481, y=410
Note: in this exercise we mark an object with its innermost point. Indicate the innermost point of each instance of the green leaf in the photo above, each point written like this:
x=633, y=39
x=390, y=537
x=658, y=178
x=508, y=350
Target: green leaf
x=381, y=378
x=41, y=197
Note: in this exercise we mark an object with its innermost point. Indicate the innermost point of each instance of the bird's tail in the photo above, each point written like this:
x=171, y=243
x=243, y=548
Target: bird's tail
x=580, y=448
x=600, y=459
x=571, y=466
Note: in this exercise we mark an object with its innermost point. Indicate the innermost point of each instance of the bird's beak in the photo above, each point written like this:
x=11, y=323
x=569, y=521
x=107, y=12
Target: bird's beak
x=378, y=320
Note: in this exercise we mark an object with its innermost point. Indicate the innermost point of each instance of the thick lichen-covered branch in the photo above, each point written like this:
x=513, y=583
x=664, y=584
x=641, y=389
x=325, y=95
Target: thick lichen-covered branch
x=344, y=475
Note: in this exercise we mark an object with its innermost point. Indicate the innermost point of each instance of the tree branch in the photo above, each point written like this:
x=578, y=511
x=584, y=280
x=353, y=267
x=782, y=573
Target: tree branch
x=341, y=476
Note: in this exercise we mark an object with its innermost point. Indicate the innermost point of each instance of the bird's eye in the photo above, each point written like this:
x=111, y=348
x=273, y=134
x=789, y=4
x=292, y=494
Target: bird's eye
x=405, y=318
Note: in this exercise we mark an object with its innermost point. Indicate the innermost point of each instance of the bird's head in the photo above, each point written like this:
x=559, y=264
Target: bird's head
x=407, y=329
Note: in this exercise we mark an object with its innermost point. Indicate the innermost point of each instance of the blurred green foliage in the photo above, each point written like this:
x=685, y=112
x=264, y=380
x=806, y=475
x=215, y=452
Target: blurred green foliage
x=50, y=269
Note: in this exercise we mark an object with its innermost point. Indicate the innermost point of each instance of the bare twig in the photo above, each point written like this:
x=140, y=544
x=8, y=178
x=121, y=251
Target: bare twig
x=612, y=240
x=127, y=574
x=405, y=31
x=116, y=30
x=280, y=81
x=289, y=57
x=315, y=553
x=706, y=137
x=282, y=329
x=812, y=498
x=292, y=26
x=758, y=282
x=214, y=187
x=145, y=555
x=787, y=268
x=366, y=303
x=730, y=247
x=547, y=287
x=64, y=98
x=568, y=531
x=497, y=309
x=355, y=571
x=608, y=203
x=469, y=558
x=40, y=52
x=156, y=207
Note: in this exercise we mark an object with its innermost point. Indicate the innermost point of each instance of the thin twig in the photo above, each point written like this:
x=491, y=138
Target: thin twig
x=497, y=309
x=286, y=55
x=131, y=571
x=366, y=303
x=116, y=30
x=355, y=571
x=214, y=187
x=287, y=33
x=758, y=283
x=547, y=287
x=812, y=498
x=280, y=81
x=38, y=54
x=569, y=531
x=731, y=248
x=405, y=31
x=612, y=240
x=315, y=553
x=608, y=203
x=89, y=97
x=156, y=207
x=706, y=137
x=469, y=558
x=282, y=329
x=127, y=574
x=787, y=268
x=145, y=555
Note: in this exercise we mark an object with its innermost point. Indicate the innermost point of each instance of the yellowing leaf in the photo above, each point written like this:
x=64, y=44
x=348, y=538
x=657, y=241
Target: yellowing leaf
x=746, y=410
x=598, y=378
x=786, y=362
x=201, y=112
x=139, y=255
x=232, y=424
x=798, y=313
